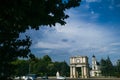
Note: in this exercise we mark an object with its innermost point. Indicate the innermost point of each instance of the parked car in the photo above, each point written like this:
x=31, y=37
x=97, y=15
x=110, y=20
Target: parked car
x=16, y=77
x=45, y=77
x=31, y=77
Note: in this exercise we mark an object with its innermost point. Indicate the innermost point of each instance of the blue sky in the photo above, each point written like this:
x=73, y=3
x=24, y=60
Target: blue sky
x=92, y=28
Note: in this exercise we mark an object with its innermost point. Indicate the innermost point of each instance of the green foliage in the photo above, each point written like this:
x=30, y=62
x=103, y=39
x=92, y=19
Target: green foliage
x=46, y=58
x=21, y=67
x=44, y=65
x=10, y=50
x=64, y=69
x=107, y=68
x=16, y=16
x=117, y=69
x=41, y=67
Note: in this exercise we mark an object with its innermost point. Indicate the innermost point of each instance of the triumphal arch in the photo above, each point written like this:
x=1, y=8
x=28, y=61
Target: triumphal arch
x=79, y=67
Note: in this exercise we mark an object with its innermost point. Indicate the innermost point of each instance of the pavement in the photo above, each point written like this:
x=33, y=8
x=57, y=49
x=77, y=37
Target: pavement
x=53, y=78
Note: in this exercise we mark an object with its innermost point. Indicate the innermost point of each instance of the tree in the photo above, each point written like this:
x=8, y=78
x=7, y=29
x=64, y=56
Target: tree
x=51, y=69
x=16, y=16
x=107, y=68
x=65, y=69
x=47, y=59
x=103, y=67
x=117, y=69
x=110, y=68
x=21, y=67
x=41, y=67
x=62, y=67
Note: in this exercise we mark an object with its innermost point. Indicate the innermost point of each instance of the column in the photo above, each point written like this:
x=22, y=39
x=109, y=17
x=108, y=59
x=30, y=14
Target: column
x=71, y=72
x=74, y=72
x=86, y=74
x=82, y=71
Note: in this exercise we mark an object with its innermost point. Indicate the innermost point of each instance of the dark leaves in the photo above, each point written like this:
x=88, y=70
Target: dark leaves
x=16, y=16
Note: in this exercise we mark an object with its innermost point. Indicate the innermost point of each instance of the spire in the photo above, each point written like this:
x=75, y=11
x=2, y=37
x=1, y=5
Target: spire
x=93, y=56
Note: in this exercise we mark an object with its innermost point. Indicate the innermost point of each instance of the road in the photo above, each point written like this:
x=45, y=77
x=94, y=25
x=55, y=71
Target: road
x=86, y=79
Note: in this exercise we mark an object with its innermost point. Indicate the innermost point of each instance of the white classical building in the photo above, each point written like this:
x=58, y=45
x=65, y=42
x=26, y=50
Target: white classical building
x=95, y=72
x=79, y=67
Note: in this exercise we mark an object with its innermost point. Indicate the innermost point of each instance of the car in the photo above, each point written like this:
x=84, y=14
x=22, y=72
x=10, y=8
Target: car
x=45, y=77
x=31, y=77
x=16, y=77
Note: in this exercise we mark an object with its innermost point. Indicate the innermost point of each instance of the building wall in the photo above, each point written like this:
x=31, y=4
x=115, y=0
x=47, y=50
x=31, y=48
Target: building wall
x=95, y=72
x=79, y=61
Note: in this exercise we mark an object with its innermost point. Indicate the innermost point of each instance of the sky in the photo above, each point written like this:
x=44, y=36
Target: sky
x=92, y=28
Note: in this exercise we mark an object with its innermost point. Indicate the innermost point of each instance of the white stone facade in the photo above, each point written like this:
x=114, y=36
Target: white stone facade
x=79, y=63
x=95, y=72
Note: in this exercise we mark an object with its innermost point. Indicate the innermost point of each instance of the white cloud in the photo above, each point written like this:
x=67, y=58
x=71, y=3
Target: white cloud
x=80, y=36
x=93, y=1
x=50, y=45
x=115, y=44
x=85, y=37
x=44, y=51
